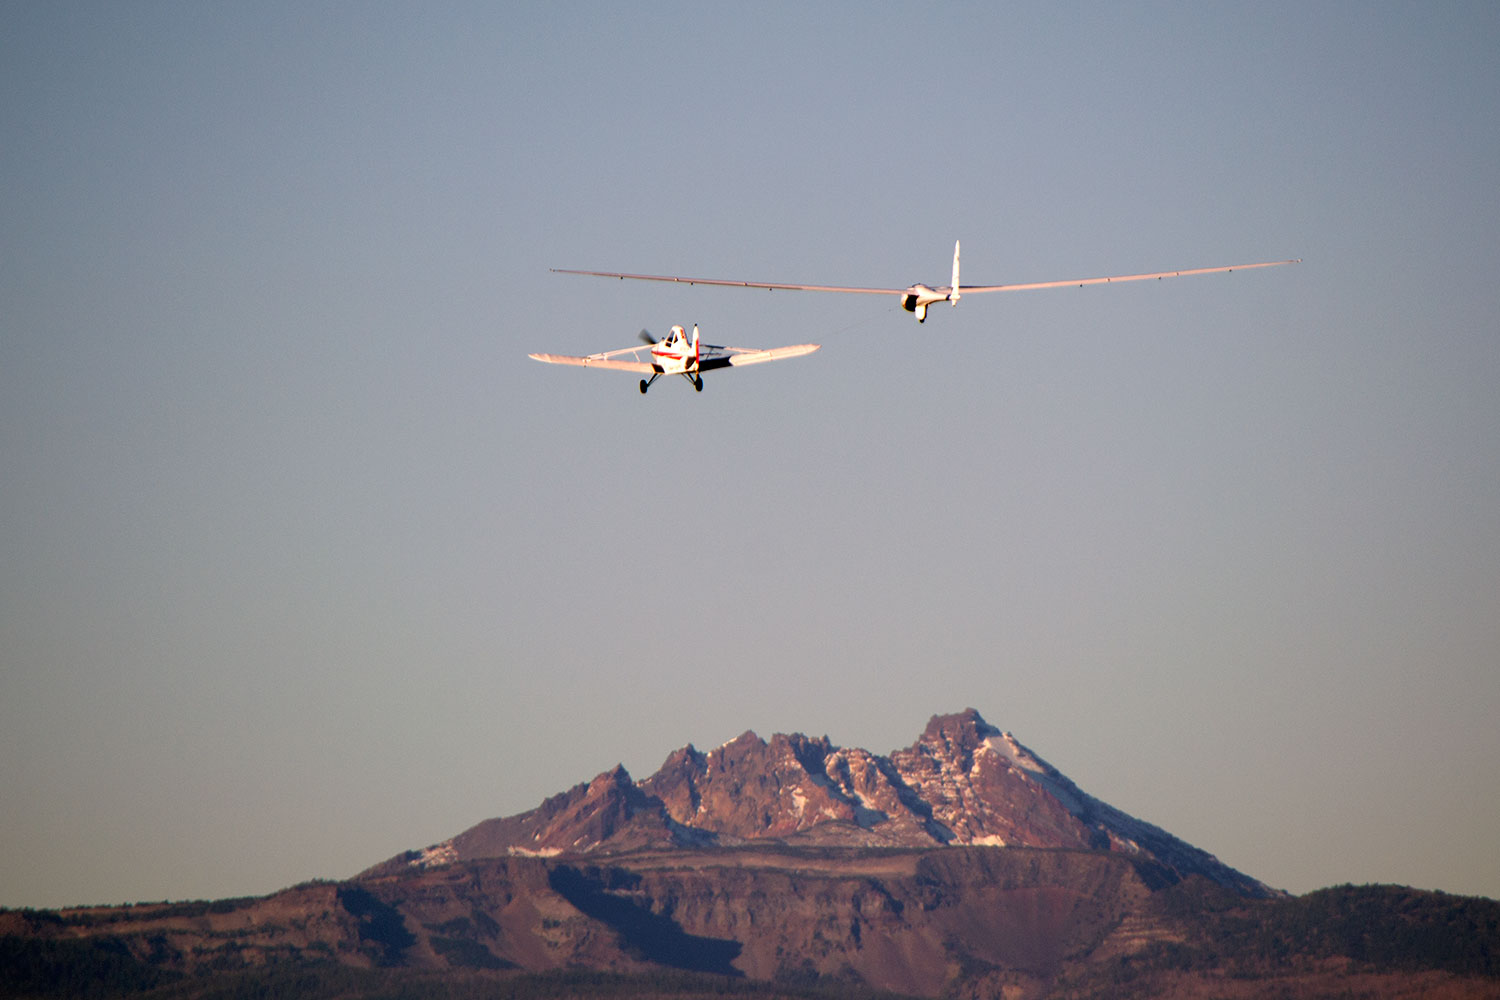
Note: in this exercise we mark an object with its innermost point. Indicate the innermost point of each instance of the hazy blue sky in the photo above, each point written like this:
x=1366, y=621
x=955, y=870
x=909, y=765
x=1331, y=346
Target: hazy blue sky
x=304, y=563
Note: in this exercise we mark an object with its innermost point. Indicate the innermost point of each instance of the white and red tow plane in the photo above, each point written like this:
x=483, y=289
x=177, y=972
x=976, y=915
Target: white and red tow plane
x=677, y=354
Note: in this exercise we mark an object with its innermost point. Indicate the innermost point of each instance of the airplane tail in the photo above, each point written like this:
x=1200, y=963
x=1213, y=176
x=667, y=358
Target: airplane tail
x=953, y=294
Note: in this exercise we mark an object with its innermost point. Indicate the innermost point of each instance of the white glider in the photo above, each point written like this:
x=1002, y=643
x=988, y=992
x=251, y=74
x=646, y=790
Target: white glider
x=916, y=298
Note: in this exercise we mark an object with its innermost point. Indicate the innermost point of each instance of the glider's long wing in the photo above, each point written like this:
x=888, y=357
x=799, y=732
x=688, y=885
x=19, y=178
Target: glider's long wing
x=734, y=284
x=1079, y=282
x=963, y=289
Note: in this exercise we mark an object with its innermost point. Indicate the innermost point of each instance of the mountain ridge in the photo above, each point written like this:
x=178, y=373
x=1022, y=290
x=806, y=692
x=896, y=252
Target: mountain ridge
x=963, y=866
x=963, y=782
x=981, y=923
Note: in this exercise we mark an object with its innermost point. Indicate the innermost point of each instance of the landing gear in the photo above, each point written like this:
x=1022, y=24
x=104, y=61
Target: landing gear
x=694, y=379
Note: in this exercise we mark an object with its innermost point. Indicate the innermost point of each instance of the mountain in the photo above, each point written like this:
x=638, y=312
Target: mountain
x=963, y=866
x=962, y=783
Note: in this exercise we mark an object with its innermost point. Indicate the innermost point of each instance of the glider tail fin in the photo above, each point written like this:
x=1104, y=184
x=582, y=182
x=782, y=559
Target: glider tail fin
x=953, y=293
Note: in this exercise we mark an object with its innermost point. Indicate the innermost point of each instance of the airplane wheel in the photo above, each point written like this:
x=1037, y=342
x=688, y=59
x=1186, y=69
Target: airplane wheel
x=698, y=383
x=643, y=387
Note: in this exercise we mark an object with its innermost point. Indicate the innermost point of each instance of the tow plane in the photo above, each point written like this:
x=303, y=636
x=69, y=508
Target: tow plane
x=677, y=354
x=916, y=298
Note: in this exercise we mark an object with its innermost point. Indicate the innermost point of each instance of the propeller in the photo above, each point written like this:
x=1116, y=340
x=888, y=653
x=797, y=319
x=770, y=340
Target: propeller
x=646, y=337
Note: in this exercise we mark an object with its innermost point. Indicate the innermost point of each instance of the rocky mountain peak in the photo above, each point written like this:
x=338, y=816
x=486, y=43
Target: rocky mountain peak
x=963, y=782
x=966, y=727
x=956, y=736
x=615, y=780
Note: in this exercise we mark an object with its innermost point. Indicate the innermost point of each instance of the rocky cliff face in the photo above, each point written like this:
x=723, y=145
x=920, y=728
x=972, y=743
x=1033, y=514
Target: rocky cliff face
x=914, y=921
x=958, y=922
x=963, y=782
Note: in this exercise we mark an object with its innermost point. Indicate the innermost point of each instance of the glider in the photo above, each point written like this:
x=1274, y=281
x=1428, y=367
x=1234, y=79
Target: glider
x=678, y=354
x=916, y=298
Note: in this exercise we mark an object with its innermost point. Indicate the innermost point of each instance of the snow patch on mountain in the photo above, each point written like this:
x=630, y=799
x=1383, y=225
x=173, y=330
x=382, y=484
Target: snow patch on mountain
x=438, y=854
x=1019, y=757
x=539, y=852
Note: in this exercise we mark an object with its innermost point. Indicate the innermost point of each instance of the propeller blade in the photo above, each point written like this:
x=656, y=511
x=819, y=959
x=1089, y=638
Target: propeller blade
x=646, y=337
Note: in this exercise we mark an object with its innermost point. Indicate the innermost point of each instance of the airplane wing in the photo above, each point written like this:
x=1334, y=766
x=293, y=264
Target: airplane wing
x=734, y=284
x=596, y=361
x=606, y=359
x=1079, y=282
x=726, y=357
x=964, y=289
x=712, y=356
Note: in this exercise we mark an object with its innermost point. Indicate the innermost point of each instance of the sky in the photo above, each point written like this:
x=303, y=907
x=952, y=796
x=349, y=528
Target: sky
x=304, y=563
